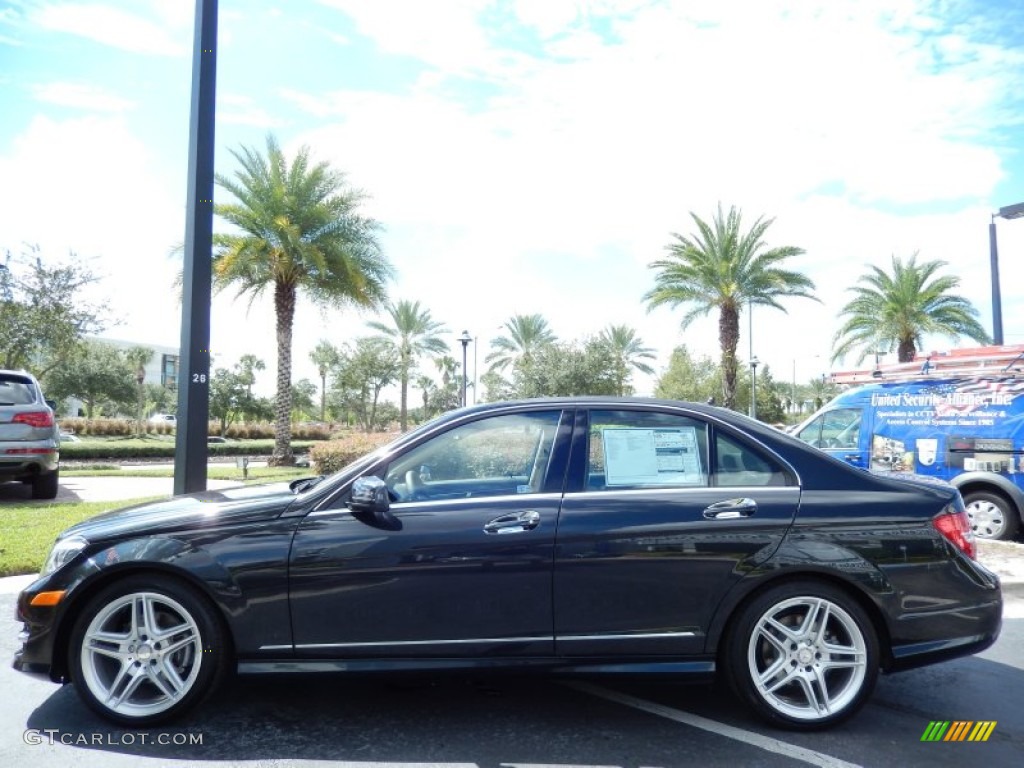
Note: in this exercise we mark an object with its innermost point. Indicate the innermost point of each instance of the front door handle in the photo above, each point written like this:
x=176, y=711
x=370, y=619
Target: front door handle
x=517, y=522
x=730, y=509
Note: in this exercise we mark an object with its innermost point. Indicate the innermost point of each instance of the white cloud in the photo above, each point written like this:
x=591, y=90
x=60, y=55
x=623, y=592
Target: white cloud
x=112, y=26
x=82, y=96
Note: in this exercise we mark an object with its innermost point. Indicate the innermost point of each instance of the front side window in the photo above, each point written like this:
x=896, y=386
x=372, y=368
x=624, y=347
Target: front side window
x=834, y=429
x=495, y=456
x=645, y=449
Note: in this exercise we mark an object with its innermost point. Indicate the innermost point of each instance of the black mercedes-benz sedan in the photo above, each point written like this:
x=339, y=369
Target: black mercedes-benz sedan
x=580, y=536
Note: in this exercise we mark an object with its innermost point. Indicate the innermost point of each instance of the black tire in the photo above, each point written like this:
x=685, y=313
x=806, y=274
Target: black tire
x=45, y=486
x=829, y=656
x=165, y=662
x=992, y=516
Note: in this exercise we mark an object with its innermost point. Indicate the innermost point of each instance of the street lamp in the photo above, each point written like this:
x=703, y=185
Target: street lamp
x=753, y=387
x=1014, y=211
x=464, y=339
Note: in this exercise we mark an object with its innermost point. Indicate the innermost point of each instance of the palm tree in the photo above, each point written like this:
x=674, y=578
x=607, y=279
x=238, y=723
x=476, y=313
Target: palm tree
x=414, y=332
x=526, y=334
x=300, y=232
x=627, y=351
x=137, y=358
x=898, y=309
x=723, y=268
x=324, y=356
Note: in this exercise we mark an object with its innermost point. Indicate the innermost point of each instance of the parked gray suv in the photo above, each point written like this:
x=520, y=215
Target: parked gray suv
x=29, y=437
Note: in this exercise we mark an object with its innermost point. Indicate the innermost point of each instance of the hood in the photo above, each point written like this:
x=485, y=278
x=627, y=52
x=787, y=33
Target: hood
x=193, y=511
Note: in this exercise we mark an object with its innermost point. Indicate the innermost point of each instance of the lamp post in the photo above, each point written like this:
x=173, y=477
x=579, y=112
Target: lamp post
x=753, y=387
x=464, y=339
x=1014, y=211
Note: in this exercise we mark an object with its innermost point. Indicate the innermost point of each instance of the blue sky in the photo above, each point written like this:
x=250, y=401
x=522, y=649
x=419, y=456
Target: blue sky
x=532, y=155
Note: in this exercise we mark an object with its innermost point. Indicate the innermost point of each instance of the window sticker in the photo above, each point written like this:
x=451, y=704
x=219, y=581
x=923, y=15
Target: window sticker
x=666, y=456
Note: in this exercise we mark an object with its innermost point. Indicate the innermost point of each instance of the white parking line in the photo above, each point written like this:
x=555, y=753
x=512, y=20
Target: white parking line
x=766, y=743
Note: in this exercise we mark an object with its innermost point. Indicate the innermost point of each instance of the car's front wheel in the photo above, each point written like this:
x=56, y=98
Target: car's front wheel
x=146, y=649
x=803, y=655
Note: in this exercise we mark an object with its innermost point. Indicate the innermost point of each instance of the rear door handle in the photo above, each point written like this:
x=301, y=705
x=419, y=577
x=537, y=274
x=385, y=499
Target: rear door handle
x=517, y=522
x=730, y=509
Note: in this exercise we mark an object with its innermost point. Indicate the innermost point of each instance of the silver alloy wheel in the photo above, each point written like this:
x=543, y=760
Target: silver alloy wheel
x=988, y=519
x=807, y=658
x=141, y=654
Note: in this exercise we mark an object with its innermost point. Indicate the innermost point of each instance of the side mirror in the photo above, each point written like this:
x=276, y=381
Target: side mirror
x=52, y=405
x=369, y=494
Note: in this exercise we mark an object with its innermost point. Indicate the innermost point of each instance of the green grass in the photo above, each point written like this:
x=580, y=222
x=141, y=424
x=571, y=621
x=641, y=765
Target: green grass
x=27, y=530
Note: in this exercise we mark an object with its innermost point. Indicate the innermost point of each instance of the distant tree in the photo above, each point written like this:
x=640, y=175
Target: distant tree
x=300, y=232
x=626, y=351
x=303, y=394
x=366, y=368
x=324, y=356
x=696, y=380
x=137, y=358
x=94, y=373
x=414, y=333
x=228, y=396
x=426, y=386
x=525, y=334
x=448, y=396
x=721, y=267
x=898, y=309
x=566, y=370
x=160, y=399
x=43, y=315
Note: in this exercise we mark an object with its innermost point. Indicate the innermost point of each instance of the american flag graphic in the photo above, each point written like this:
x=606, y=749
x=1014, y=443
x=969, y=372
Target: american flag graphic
x=959, y=398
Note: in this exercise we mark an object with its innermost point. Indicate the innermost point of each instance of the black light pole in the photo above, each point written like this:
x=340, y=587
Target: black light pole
x=1014, y=211
x=194, y=364
x=464, y=339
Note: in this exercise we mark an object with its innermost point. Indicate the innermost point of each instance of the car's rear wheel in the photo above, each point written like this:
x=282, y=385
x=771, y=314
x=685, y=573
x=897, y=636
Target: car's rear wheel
x=804, y=655
x=145, y=650
x=45, y=486
x=992, y=516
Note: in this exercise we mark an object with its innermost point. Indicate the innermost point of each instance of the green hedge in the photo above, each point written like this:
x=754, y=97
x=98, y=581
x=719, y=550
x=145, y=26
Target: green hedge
x=132, y=449
x=331, y=456
x=126, y=428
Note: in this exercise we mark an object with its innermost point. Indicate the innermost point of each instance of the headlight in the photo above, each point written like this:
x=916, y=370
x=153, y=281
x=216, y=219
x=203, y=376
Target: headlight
x=63, y=551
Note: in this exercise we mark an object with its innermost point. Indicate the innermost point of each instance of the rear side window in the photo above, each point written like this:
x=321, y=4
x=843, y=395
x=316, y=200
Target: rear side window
x=16, y=390
x=738, y=464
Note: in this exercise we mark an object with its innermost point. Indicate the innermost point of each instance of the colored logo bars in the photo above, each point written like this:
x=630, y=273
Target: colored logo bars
x=958, y=730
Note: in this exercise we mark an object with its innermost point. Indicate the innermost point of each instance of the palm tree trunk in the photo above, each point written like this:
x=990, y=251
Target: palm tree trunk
x=323, y=394
x=907, y=350
x=728, y=339
x=284, y=308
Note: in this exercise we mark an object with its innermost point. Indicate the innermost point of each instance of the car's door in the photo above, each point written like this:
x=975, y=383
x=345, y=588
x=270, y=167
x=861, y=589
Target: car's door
x=462, y=563
x=663, y=513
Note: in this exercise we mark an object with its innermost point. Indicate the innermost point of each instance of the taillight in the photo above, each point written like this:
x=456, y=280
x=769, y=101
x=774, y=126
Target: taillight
x=34, y=419
x=956, y=527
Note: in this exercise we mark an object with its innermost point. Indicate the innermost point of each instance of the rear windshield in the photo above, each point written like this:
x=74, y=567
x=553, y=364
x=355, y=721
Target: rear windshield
x=16, y=390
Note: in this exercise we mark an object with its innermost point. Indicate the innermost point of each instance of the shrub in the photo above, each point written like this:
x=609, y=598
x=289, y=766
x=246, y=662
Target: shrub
x=329, y=457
